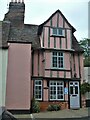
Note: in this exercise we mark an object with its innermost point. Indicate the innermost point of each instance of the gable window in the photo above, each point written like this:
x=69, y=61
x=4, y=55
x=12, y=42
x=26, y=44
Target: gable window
x=57, y=60
x=58, y=32
x=38, y=89
x=56, y=90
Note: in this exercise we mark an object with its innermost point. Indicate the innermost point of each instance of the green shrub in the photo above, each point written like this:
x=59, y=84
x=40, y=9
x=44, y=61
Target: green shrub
x=85, y=87
x=54, y=107
x=35, y=106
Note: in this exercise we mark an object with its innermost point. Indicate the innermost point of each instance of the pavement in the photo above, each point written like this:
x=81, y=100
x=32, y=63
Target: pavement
x=67, y=114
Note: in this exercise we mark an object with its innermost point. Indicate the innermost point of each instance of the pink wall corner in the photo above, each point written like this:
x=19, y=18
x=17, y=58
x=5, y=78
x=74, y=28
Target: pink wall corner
x=18, y=84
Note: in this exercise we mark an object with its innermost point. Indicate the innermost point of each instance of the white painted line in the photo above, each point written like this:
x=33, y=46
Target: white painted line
x=32, y=117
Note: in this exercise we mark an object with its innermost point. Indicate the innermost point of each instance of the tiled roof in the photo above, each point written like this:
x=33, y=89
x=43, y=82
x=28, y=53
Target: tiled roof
x=75, y=45
x=27, y=34
x=4, y=33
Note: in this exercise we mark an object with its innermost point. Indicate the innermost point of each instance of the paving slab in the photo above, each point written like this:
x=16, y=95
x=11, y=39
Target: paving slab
x=81, y=114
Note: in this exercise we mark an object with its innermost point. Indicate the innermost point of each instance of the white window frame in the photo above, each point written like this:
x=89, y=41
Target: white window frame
x=57, y=32
x=57, y=58
x=36, y=90
x=56, y=86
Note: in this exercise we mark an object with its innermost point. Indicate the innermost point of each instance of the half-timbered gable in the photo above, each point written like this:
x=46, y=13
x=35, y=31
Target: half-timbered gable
x=56, y=32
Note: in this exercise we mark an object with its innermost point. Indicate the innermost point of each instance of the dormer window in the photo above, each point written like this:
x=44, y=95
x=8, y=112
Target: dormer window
x=58, y=32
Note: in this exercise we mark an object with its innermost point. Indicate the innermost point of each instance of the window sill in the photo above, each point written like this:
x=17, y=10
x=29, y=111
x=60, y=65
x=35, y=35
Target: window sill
x=58, y=69
x=57, y=36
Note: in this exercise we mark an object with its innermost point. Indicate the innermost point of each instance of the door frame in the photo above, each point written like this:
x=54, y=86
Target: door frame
x=69, y=92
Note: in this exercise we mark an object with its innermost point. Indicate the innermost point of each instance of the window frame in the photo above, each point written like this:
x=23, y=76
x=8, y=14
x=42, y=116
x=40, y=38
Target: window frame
x=36, y=90
x=56, y=99
x=57, y=32
x=57, y=59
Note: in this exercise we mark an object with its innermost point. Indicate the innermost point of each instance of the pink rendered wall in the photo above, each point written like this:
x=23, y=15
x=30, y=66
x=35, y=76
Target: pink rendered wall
x=68, y=75
x=60, y=21
x=58, y=43
x=67, y=61
x=38, y=63
x=41, y=64
x=35, y=65
x=54, y=73
x=18, y=93
x=46, y=37
x=61, y=74
x=68, y=39
x=63, y=43
x=51, y=42
x=77, y=65
x=54, y=20
x=81, y=67
x=48, y=59
x=66, y=25
x=45, y=94
x=66, y=95
x=47, y=73
x=72, y=63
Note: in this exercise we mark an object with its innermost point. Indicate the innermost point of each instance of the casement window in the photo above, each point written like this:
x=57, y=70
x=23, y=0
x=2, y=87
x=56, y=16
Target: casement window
x=58, y=32
x=38, y=89
x=56, y=90
x=57, y=60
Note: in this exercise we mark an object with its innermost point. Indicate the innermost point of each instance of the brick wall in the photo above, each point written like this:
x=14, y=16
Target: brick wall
x=44, y=105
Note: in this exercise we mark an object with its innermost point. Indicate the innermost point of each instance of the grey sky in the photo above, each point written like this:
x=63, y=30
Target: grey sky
x=38, y=11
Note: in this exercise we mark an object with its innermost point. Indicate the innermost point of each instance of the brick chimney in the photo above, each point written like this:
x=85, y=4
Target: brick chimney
x=16, y=13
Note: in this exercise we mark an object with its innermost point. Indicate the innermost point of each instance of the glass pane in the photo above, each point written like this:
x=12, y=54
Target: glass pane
x=71, y=89
x=54, y=61
x=54, y=53
x=76, y=89
x=76, y=83
x=60, y=31
x=71, y=83
x=60, y=54
x=55, y=31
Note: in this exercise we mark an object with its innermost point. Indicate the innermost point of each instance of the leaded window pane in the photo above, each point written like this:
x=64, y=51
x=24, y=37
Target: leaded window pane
x=38, y=89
